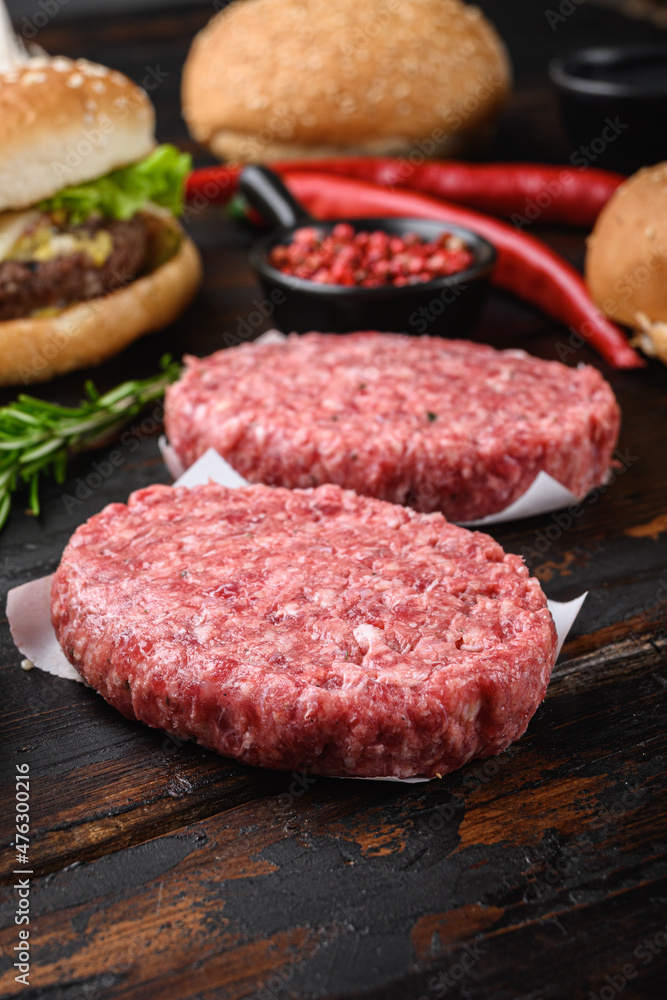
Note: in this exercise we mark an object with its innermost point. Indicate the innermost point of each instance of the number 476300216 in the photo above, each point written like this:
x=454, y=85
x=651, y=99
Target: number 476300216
x=22, y=813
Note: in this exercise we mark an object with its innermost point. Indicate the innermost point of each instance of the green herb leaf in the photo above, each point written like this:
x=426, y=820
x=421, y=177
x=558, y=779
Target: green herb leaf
x=237, y=208
x=37, y=437
x=160, y=179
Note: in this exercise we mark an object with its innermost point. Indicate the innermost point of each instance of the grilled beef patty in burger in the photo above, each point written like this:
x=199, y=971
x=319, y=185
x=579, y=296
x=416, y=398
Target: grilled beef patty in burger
x=94, y=259
x=91, y=253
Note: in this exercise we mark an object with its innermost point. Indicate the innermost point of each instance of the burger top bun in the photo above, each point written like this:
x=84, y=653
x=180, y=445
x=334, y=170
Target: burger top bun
x=64, y=122
x=626, y=259
x=280, y=78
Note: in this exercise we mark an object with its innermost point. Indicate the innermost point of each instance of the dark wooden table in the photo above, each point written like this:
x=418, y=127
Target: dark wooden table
x=163, y=871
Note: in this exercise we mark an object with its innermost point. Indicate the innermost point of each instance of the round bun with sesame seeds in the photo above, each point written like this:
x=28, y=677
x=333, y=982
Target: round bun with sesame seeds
x=269, y=79
x=65, y=122
x=626, y=258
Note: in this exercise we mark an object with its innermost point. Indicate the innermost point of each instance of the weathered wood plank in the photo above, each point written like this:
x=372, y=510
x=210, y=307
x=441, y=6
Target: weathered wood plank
x=571, y=817
x=480, y=859
x=166, y=872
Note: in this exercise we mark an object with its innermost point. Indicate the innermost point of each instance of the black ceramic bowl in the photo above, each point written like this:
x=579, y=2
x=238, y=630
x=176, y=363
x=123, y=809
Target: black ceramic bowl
x=614, y=103
x=448, y=306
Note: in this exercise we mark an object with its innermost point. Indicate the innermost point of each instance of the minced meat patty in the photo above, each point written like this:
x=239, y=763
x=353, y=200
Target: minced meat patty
x=26, y=287
x=433, y=423
x=308, y=630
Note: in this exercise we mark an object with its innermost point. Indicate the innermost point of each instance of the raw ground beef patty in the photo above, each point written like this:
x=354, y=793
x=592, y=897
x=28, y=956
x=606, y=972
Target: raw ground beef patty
x=310, y=630
x=436, y=424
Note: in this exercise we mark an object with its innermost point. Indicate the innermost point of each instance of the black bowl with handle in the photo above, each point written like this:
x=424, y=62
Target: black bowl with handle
x=448, y=306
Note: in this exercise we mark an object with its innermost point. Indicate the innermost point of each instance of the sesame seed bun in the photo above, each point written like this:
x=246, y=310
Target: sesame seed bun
x=37, y=349
x=65, y=122
x=280, y=78
x=626, y=258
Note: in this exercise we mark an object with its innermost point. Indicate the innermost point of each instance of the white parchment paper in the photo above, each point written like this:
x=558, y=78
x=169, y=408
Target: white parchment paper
x=544, y=495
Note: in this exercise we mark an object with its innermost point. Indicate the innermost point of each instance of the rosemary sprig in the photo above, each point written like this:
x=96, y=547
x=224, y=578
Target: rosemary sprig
x=37, y=437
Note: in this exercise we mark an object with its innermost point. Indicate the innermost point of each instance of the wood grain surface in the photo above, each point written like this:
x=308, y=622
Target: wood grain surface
x=162, y=871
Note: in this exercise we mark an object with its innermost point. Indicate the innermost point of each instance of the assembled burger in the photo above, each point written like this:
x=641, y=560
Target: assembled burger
x=91, y=253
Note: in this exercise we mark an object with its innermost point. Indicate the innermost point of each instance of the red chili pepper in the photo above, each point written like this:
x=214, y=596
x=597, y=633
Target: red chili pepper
x=211, y=186
x=521, y=192
x=526, y=266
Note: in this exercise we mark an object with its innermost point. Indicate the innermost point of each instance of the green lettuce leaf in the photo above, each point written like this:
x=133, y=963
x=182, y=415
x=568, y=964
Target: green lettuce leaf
x=159, y=178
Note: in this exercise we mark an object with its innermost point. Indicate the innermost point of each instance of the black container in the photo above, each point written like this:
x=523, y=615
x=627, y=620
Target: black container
x=614, y=104
x=448, y=306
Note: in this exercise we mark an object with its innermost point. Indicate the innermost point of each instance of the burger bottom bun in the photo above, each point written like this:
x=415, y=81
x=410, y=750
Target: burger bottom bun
x=651, y=337
x=87, y=333
x=248, y=147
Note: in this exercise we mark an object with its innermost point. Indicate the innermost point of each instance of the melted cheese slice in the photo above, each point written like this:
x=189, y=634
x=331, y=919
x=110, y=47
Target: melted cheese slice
x=12, y=227
x=45, y=242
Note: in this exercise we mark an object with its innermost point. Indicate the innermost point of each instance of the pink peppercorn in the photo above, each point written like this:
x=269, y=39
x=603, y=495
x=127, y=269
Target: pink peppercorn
x=369, y=259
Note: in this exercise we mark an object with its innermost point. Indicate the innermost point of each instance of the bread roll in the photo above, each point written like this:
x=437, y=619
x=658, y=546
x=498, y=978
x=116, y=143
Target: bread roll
x=271, y=79
x=626, y=258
